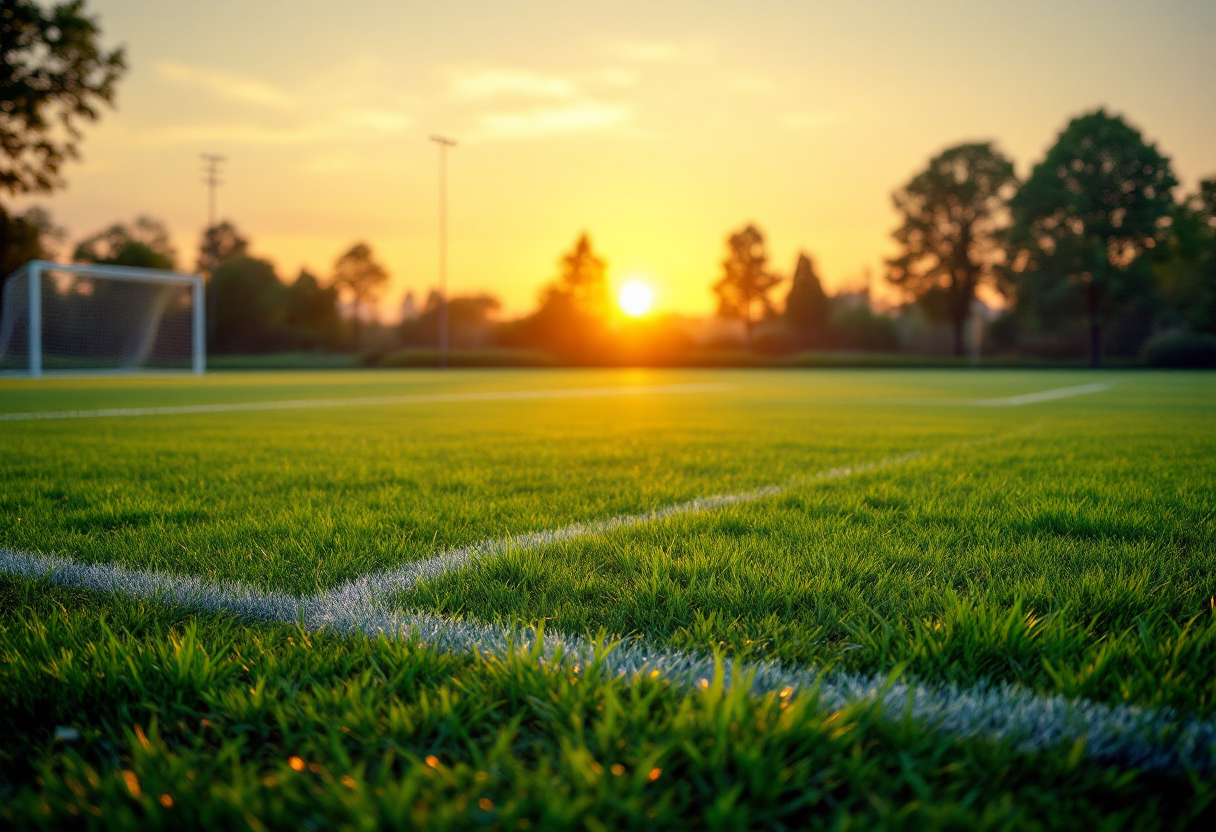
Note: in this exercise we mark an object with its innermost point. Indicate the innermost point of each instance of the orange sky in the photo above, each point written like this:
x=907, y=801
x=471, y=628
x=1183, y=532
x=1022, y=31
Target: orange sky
x=656, y=126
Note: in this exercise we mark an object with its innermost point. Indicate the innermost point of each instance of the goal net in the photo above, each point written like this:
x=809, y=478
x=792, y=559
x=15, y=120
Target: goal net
x=83, y=317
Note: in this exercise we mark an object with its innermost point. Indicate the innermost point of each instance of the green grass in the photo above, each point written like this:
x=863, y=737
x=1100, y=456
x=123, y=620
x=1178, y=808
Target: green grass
x=300, y=500
x=1041, y=558
x=207, y=715
x=1066, y=546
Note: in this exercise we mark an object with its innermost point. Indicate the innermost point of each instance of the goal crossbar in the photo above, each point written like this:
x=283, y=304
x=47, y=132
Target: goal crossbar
x=33, y=271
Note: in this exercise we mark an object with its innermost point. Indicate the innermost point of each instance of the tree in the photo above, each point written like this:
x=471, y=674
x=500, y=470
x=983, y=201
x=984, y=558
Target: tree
x=144, y=243
x=311, y=311
x=25, y=237
x=745, y=282
x=954, y=214
x=1187, y=273
x=52, y=76
x=581, y=279
x=573, y=307
x=249, y=313
x=362, y=278
x=221, y=243
x=1085, y=219
x=806, y=306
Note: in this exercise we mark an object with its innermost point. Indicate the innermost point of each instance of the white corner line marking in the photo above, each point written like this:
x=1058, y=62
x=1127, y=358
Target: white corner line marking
x=370, y=401
x=1159, y=740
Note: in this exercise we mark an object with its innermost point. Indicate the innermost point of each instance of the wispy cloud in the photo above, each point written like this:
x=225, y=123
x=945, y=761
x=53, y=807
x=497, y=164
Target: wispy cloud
x=227, y=85
x=496, y=82
x=577, y=118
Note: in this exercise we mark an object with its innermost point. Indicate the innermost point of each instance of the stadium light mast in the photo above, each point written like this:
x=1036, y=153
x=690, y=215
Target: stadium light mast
x=211, y=178
x=444, y=143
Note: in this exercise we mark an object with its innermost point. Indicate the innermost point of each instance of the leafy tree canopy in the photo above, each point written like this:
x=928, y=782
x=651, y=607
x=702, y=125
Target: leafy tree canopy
x=746, y=282
x=53, y=75
x=144, y=243
x=308, y=305
x=1087, y=215
x=954, y=213
x=362, y=278
x=221, y=243
x=249, y=312
x=25, y=237
x=1187, y=273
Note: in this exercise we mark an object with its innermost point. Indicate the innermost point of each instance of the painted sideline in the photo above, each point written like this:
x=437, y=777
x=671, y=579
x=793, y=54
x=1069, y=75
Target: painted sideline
x=1007, y=401
x=368, y=401
x=1157, y=740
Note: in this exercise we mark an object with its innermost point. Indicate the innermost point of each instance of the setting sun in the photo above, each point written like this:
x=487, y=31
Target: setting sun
x=635, y=298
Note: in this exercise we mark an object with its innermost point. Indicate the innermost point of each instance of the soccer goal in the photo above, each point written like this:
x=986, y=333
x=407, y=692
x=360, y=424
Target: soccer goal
x=82, y=317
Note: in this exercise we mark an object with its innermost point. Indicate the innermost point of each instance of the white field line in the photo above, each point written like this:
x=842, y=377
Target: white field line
x=1008, y=401
x=1158, y=740
x=369, y=401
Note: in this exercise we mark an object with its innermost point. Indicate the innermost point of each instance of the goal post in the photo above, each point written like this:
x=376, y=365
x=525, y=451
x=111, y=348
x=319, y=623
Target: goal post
x=86, y=317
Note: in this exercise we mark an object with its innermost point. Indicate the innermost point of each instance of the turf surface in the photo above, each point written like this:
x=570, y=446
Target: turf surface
x=1066, y=546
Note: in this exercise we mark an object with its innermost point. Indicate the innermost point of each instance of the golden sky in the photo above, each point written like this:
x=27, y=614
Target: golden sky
x=656, y=126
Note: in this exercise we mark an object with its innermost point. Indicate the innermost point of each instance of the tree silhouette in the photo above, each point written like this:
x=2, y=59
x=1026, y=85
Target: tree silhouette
x=311, y=310
x=1188, y=272
x=362, y=278
x=144, y=243
x=954, y=215
x=581, y=279
x=29, y=236
x=570, y=319
x=745, y=282
x=221, y=243
x=1087, y=215
x=806, y=306
x=53, y=75
x=249, y=309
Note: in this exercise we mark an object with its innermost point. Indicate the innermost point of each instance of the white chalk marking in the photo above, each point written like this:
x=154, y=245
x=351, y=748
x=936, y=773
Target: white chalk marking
x=368, y=401
x=1008, y=401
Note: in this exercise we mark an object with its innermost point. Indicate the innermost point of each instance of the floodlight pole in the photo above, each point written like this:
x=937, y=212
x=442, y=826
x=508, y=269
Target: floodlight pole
x=444, y=143
x=211, y=178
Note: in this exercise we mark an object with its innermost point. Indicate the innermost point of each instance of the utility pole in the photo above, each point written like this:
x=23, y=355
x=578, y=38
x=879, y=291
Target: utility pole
x=444, y=143
x=211, y=178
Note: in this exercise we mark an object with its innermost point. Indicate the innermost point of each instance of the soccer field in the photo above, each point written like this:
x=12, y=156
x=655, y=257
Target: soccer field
x=604, y=599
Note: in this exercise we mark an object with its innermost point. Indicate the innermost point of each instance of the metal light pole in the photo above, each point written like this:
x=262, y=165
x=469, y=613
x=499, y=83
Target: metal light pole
x=211, y=178
x=444, y=143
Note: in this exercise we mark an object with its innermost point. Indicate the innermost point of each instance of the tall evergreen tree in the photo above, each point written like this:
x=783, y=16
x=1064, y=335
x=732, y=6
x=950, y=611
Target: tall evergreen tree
x=806, y=306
